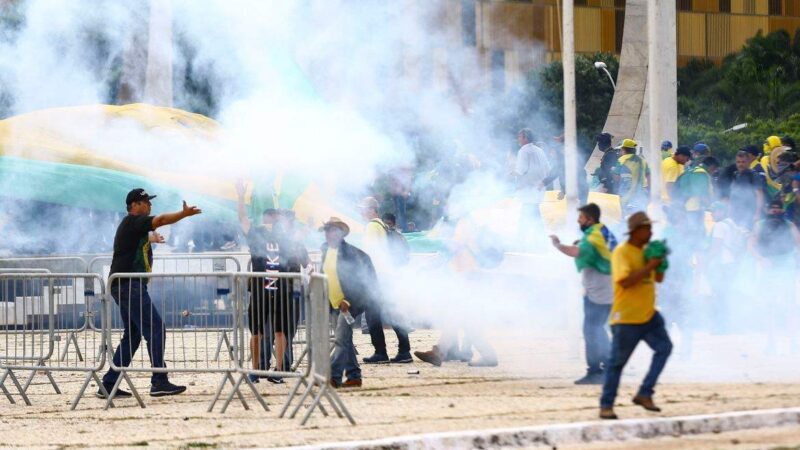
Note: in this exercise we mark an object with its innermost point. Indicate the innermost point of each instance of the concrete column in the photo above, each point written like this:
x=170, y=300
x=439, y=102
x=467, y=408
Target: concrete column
x=158, y=77
x=570, y=125
x=662, y=89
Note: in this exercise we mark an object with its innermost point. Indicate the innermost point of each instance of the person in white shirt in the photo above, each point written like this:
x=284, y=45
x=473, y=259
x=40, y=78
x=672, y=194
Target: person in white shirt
x=531, y=168
x=530, y=172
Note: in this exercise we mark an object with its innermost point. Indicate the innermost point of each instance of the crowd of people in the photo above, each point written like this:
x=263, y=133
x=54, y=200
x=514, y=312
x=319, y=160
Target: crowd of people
x=753, y=208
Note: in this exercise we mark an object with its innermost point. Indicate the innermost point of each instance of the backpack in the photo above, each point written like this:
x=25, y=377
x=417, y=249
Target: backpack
x=398, y=245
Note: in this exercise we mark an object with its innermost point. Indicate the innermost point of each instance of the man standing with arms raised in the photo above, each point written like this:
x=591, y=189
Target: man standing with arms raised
x=133, y=254
x=635, y=269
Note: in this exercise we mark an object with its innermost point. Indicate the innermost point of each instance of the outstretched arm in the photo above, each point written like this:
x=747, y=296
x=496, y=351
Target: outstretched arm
x=170, y=218
x=569, y=250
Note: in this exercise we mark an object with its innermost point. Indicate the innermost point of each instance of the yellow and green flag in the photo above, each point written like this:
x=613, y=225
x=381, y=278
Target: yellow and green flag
x=595, y=249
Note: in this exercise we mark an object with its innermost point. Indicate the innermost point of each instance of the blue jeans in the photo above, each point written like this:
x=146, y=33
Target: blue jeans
x=595, y=336
x=625, y=339
x=139, y=318
x=344, y=359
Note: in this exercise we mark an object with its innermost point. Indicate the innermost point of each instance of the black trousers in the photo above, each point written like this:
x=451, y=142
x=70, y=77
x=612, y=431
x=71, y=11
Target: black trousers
x=375, y=323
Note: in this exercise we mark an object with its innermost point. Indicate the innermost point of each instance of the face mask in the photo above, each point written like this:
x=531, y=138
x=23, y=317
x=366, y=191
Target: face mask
x=585, y=227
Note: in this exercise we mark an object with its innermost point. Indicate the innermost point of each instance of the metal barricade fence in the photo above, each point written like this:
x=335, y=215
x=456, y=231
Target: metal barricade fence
x=270, y=307
x=55, y=264
x=178, y=263
x=277, y=305
x=38, y=313
x=186, y=263
x=319, y=370
x=182, y=316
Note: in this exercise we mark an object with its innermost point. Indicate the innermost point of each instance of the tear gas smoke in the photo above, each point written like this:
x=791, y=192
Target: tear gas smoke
x=337, y=92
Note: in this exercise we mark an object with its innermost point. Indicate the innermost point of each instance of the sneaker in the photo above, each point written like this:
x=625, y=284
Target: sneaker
x=377, y=358
x=431, y=357
x=253, y=378
x=352, y=383
x=484, y=362
x=608, y=414
x=402, y=358
x=646, y=403
x=591, y=378
x=275, y=380
x=120, y=393
x=166, y=388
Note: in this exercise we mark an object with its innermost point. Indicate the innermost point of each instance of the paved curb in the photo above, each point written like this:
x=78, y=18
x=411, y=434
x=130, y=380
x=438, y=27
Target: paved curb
x=580, y=433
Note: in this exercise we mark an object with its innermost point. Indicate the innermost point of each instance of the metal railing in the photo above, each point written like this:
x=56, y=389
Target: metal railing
x=38, y=314
x=173, y=313
x=202, y=322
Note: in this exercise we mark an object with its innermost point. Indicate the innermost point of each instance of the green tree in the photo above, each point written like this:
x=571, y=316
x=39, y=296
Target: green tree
x=543, y=98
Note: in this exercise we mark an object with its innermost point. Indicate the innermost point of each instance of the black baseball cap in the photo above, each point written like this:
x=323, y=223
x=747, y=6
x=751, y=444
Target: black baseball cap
x=683, y=150
x=604, y=138
x=138, y=195
x=752, y=149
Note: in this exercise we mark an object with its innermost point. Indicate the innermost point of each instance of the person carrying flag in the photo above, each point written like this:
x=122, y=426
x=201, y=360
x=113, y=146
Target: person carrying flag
x=633, y=178
x=593, y=260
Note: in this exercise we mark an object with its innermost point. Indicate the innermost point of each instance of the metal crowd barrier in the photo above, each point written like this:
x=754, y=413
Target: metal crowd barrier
x=319, y=372
x=261, y=302
x=269, y=308
x=38, y=317
x=176, y=315
x=176, y=263
x=186, y=263
x=204, y=324
x=55, y=264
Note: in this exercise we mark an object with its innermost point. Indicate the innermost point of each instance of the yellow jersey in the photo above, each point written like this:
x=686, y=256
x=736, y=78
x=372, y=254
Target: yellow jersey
x=636, y=304
x=670, y=171
x=335, y=293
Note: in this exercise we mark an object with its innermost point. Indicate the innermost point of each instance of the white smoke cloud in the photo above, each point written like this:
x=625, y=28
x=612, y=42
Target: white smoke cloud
x=331, y=91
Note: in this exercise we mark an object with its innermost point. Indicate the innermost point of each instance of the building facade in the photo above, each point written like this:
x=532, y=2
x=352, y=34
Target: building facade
x=515, y=36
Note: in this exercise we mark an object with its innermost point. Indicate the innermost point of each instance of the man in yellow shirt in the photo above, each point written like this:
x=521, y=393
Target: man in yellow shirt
x=671, y=169
x=376, y=244
x=352, y=288
x=633, y=315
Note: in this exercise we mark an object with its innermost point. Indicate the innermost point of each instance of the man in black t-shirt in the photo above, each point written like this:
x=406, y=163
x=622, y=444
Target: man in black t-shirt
x=604, y=173
x=274, y=309
x=140, y=318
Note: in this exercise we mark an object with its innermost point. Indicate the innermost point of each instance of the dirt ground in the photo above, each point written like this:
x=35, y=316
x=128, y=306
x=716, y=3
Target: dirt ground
x=532, y=386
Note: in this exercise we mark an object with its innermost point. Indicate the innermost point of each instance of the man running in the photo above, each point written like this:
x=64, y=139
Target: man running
x=633, y=315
